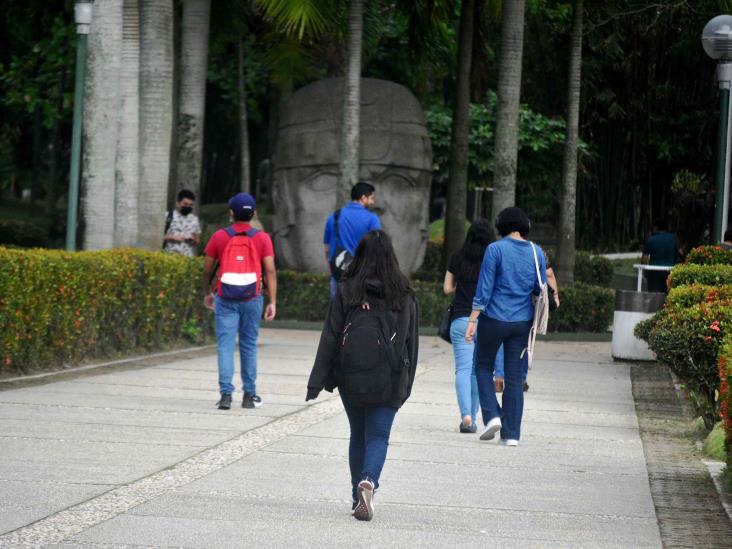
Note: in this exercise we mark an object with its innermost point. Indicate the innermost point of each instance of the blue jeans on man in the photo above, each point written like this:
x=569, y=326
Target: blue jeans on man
x=370, y=430
x=240, y=318
x=491, y=334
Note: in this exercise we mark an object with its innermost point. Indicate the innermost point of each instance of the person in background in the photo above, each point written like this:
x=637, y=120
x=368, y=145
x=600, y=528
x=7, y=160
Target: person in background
x=727, y=242
x=373, y=289
x=354, y=220
x=498, y=372
x=240, y=316
x=461, y=279
x=661, y=248
x=508, y=279
x=182, y=227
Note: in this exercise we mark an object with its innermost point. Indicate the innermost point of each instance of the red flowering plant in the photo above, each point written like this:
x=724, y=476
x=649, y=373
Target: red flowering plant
x=709, y=255
x=725, y=395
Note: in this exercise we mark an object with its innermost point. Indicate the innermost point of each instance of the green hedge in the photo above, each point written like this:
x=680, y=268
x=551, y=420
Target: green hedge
x=692, y=294
x=725, y=396
x=583, y=308
x=303, y=296
x=709, y=255
x=58, y=307
x=592, y=269
x=708, y=275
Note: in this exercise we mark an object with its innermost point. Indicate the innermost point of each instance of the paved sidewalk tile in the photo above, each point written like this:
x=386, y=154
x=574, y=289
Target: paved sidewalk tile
x=141, y=457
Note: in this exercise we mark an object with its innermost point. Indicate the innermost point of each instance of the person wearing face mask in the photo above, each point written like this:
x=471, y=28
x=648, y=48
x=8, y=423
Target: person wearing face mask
x=182, y=227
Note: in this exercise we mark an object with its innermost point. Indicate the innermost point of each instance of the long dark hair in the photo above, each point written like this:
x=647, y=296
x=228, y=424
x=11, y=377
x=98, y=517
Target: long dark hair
x=375, y=262
x=470, y=257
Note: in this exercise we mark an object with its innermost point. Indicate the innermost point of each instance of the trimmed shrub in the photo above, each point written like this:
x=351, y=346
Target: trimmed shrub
x=708, y=275
x=688, y=339
x=692, y=294
x=583, y=308
x=725, y=395
x=58, y=307
x=709, y=255
x=592, y=269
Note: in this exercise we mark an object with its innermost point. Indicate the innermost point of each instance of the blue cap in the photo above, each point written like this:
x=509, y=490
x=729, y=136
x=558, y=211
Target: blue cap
x=241, y=202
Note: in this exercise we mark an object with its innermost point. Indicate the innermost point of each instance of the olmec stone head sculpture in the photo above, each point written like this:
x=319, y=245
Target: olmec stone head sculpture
x=396, y=157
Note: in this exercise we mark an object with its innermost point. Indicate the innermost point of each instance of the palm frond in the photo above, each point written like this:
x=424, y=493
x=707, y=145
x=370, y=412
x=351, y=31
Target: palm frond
x=300, y=17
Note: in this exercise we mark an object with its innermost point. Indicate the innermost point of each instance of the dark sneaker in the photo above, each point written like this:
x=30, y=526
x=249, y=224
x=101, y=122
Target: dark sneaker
x=365, y=506
x=472, y=428
x=224, y=403
x=251, y=401
x=526, y=386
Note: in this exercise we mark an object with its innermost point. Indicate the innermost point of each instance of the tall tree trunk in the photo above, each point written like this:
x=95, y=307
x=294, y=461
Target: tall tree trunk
x=156, y=118
x=128, y=148
x=457, y=190
x=509, y=93
x=567, y=207
x=245, y=165
x=101, y=104
x=194, y=58
x=350, y=128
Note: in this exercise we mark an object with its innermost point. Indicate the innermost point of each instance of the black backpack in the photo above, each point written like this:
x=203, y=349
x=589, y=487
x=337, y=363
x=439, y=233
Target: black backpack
x=341, y=258
x=370, y=354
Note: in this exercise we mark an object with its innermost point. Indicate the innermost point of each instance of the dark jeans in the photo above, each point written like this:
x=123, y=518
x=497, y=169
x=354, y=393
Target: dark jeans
x=513, y=336
x=370, y=430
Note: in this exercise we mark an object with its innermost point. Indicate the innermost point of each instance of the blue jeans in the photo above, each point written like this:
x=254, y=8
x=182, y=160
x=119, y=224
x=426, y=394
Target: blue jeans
x=498, y=370
x=238, y=317
x=491, y=334
x=466, y=385
x=370, y=430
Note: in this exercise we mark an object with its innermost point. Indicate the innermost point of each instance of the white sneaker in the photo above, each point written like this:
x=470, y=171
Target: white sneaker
x=490, y=430
x=509, y=441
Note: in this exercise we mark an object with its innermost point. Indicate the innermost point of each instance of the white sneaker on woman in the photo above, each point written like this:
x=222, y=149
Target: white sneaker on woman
x=490, y=430
x=509, y=441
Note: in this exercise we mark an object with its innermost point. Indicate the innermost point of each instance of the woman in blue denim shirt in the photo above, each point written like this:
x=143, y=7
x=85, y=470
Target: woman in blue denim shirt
x=461, y=279
x=503, y=303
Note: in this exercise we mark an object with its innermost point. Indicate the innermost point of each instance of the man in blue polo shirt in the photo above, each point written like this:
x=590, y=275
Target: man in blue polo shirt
x=354, y=221
x=661, y=248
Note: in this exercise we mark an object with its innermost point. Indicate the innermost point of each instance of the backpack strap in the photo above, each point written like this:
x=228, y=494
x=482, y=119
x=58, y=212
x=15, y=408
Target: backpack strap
x=168, y=221
x=231, y=231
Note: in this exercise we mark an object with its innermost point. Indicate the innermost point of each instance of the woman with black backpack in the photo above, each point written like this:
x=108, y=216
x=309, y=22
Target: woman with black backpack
x=368, y=349
x=461, y=279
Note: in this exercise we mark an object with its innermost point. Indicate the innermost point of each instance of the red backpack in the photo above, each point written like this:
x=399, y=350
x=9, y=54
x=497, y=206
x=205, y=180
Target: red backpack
x=240, y=266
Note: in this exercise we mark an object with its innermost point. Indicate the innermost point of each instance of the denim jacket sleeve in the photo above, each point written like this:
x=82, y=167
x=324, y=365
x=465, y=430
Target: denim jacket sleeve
x=486, y=279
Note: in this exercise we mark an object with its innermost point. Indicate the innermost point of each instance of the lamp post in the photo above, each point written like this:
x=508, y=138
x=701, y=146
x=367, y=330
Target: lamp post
x=82, y=17
x=717, y=43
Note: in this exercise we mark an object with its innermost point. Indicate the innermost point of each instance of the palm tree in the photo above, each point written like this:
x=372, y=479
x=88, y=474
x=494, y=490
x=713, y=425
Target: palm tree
x=128, y=139
x=245, y=168
x=192, y=103
x=156, y=117
x=457, y=190
x=100, y=124
x=351, y=125
x=507, y=114
x=566, y=241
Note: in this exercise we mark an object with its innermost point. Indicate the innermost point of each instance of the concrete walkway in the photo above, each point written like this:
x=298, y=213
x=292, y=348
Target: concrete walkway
x=141, y=457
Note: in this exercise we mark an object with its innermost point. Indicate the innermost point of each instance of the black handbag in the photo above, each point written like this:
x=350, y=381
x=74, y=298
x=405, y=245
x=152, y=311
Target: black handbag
x=444, y=329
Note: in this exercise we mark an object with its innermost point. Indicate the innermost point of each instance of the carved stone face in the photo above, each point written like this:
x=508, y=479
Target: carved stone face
x=396, y=157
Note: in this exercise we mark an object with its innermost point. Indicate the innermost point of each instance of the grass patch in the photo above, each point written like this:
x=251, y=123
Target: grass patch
x=714, y=443
x=625, y=266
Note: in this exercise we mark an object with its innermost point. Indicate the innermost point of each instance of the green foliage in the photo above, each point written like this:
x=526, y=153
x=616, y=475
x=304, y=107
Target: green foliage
x=708, y=275
x=592, y=269
x=686, y=181
x=725, y=396
x=688, y=339
x=59, y=307
x=34, y=81
x=709, y=255
x=693, y=294
x=584, y=308
x=714, y=446
x=540, y=141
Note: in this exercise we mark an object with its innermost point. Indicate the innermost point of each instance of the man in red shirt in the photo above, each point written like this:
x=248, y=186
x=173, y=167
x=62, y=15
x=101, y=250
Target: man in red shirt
x=239, y=316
